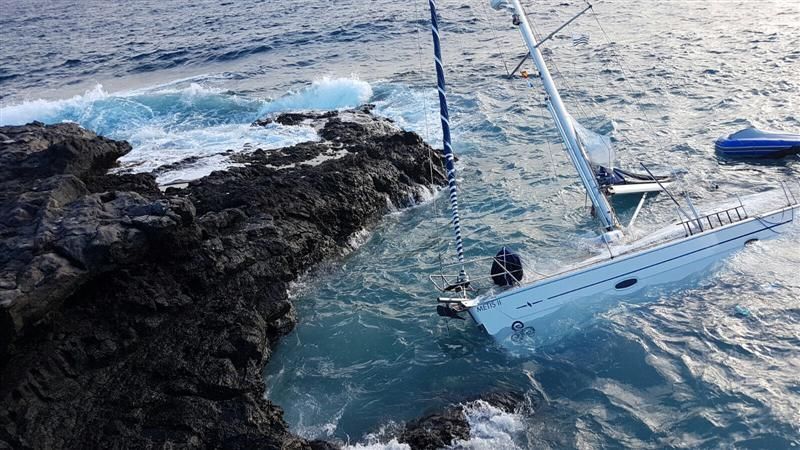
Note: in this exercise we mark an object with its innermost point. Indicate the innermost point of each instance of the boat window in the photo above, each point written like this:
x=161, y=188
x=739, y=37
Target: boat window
x=626, y=283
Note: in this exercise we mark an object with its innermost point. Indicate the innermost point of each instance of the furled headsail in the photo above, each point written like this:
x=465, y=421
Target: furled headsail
x=447, y=148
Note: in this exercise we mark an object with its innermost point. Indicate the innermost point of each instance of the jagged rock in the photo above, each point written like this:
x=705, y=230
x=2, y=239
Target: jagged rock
x=56, y=235
x=141, y=183
x=304, y=117
x=36, y=151
x=442, y=428
x=437, y=430
x=138, y=318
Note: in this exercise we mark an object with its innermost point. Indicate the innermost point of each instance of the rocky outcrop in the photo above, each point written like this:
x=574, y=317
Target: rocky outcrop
x=135, y=318
x=443, y=428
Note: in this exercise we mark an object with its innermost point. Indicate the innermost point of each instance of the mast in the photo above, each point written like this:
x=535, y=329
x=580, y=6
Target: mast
x=563, y=121
x=447, y=148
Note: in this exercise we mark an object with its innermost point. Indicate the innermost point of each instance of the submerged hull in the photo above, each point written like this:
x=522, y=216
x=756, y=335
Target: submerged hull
x=519, y=311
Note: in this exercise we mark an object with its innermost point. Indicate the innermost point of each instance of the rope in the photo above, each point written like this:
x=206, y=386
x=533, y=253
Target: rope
x=578, y=106
x=582, y=109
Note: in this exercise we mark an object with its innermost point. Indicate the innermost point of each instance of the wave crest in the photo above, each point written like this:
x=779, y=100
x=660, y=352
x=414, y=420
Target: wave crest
x=325, y=94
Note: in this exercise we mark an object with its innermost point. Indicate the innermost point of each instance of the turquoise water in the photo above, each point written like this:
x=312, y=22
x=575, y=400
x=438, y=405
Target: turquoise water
x=679, y=367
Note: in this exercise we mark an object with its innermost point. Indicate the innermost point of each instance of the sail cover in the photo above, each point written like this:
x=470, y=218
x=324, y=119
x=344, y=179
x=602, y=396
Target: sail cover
x=597, y=147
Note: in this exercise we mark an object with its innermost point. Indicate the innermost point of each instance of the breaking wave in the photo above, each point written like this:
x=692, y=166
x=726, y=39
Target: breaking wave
x=169, y=123
x=325, y=94
x=490, y=428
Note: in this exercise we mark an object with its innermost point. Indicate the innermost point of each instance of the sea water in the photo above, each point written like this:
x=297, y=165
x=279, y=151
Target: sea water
x=675, y=367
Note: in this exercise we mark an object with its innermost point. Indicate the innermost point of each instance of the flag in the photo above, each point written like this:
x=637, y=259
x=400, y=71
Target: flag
x=580, y=39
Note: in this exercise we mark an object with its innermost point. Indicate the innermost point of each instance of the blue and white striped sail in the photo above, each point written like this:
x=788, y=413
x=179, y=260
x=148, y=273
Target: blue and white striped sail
x=447, y=148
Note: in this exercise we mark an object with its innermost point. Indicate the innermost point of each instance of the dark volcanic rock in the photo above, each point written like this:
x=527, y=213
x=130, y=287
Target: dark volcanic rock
x=34, y=151
x=135, y=318
x=55, y=233
x=442, y=428
x=299, y=118
x=437, y=430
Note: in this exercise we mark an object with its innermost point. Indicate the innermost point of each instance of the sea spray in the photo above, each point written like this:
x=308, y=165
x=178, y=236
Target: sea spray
x=324, y=94
x=391, y=445
x=155, y=146
x=413, y=109
x=50, y=111
x=168, y=123
x=384, y=438
x=490, y=427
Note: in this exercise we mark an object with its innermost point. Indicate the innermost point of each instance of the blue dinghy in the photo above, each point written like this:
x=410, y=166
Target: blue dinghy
x=754, y=143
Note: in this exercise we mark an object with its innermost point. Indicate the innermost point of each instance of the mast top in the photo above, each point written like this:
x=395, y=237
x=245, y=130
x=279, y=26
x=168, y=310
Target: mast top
x=563, y=120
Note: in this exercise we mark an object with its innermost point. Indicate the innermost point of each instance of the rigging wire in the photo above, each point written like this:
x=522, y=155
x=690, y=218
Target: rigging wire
x=541, y=112
x=547, y=140
x=581, y=111
x=578, y=106
x=648, y=122
x=494, y=35
x=454, y=109
x=455, y=68
x=581, y=107
x=426, y=125
x=455, y=73
x=425, y=109
x=619, y=61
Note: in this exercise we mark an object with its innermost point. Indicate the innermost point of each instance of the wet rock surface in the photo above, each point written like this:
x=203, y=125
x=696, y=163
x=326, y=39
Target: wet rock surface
x=443, y=428
x=132, y=317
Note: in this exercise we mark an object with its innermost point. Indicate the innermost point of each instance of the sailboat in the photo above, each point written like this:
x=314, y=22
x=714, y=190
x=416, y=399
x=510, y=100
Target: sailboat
x=515, y=303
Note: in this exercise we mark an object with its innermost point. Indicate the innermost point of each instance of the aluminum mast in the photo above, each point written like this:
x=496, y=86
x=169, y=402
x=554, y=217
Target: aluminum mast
x=563, y=120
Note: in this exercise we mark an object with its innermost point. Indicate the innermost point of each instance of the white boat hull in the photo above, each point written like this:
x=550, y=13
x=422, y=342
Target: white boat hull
x=518, y=311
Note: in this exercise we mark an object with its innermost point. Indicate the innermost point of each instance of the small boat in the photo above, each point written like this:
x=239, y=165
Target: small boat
x=755, y=143
x=511, y=300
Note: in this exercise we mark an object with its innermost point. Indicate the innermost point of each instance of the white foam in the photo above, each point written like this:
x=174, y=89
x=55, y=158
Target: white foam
x=166, y=124
x=325, y=94
x=156, y=146
x=315, y=161
x=48, y=110
x=424, y=195
x=382, y=439
x=192, y=90
x=413, y=110
x=391, y=445
x=358, y=239
x=490, y=427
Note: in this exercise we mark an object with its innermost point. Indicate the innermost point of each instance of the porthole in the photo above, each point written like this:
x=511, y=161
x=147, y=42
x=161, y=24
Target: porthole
x=624, y=284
